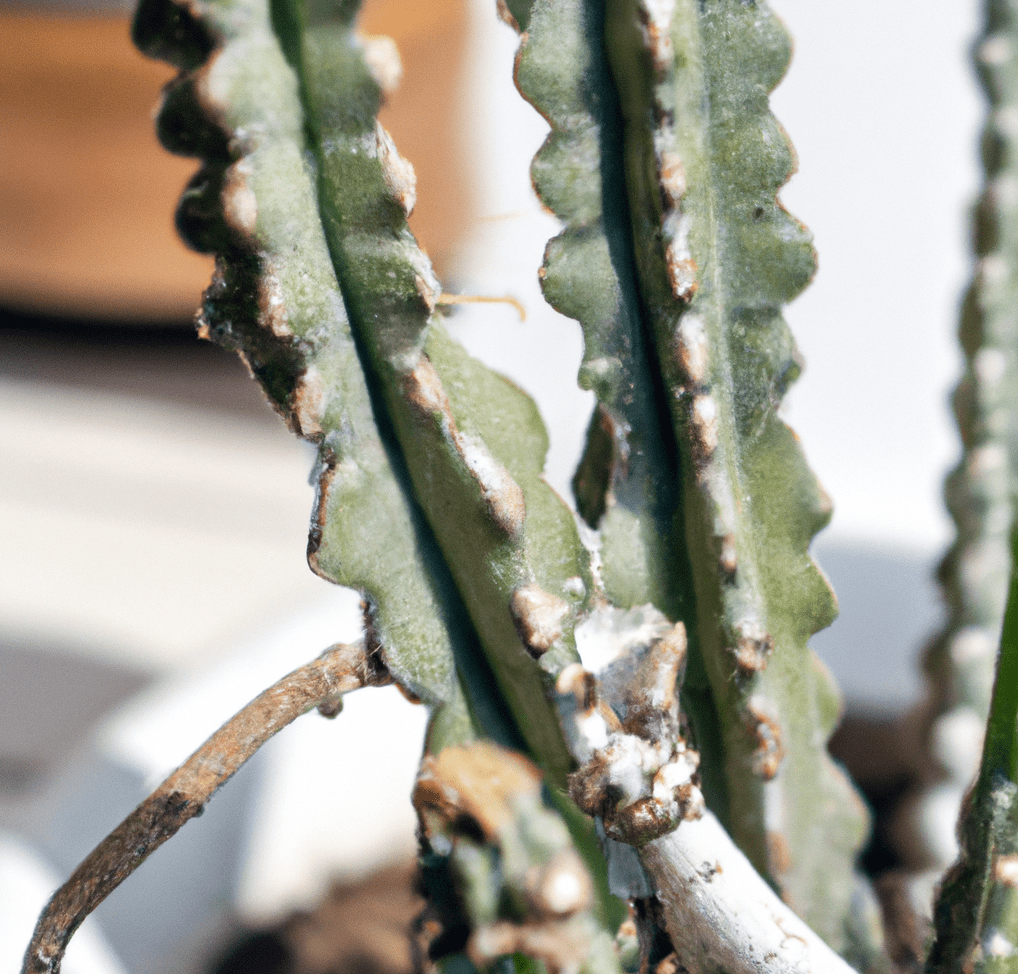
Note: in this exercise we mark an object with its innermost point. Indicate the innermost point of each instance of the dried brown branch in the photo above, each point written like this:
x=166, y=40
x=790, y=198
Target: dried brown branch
x=184, y=794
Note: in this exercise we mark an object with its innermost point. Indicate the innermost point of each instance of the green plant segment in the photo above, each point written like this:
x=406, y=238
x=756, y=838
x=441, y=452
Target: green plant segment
x=976, y=915
x=276, y=298
x=976, y=912
x=677, y=253
x=980, y=490
x=473, y=445
x=522, y=857
x=704, y=160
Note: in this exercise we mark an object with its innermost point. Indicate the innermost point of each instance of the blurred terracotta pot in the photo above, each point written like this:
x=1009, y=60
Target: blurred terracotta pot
x=87, y=195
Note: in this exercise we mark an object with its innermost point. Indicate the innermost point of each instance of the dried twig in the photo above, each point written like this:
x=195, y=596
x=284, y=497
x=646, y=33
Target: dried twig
x=184, y=794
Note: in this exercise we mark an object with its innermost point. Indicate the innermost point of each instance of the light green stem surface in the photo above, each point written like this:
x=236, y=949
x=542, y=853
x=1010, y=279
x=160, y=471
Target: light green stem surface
x=717, y=256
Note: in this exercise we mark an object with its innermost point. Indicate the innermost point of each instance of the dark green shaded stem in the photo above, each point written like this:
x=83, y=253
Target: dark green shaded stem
x=976, y=913
x=1000, y=754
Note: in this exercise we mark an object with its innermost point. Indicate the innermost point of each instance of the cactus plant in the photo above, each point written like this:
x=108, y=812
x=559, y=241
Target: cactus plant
x=623, y=705
x=975, y=572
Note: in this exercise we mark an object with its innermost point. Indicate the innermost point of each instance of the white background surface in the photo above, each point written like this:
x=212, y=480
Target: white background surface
x=882, y=106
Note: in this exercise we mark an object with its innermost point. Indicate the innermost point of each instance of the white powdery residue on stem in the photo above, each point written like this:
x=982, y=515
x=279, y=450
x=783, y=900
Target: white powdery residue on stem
x=591, y=541
x=671, y=776
x=240, y=206
x=1005, y=871
x=592, y=734
x=501, y=493
x=308, y=403
x=957, y=739
x=399, y=175
x=996, y=945
x=538, y=616
x=721, y=915
x=609, y=633
x=628, y=763
x=657, y=31
x=383, y=62
x=692, y=351
x=995, y=50
x=989, y=365
x=972, y=643
x=585, y=725
x=704, y=419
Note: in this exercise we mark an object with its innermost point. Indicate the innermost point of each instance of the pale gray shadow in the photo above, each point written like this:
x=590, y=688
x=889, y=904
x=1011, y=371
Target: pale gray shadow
x=890, y=608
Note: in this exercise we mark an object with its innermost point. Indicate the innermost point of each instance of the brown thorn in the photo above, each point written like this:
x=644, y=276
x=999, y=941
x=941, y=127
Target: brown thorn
x=505, y=15
x=184, y=794
x=653, y=697
x=444, y=299
x=537, y=616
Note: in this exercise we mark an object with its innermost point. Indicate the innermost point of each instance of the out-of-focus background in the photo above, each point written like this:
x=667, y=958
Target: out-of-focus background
x=153, y=509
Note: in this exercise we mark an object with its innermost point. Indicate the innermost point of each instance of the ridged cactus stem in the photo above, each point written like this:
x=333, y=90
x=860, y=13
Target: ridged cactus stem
x=717, y=256
x=675, y=259
x=520, y=882
x=627, y=486
x=980, y=491
x=473, y=444
x=275, y=298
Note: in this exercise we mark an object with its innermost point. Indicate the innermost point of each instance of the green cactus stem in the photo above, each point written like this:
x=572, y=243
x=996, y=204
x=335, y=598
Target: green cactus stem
x=628, y=483
x=976, y=914
x=522, y=886
x=275, y=298
x=716, y=257
x=626, y=486
x=980, y=491
x=473, y=444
